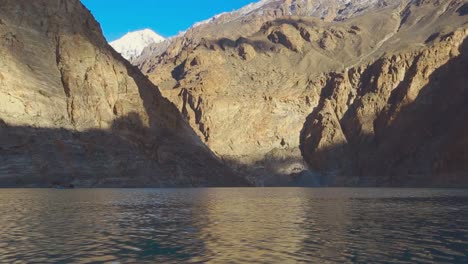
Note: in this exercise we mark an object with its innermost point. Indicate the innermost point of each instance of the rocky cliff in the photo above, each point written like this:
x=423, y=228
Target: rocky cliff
x=359, y=93
x=72, y=110
x=247, y=20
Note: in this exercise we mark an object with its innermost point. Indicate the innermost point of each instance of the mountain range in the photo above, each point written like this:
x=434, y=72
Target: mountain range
x=278, y=93
x=74, y=111
x=325, y=92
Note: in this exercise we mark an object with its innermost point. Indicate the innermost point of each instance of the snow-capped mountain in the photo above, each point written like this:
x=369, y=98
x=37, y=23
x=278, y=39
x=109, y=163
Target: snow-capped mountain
x=132, y=44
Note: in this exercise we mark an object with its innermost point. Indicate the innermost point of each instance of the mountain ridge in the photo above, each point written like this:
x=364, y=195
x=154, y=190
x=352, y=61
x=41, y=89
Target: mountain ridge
x=281, y=99
x=286, y=99
x=249, y=19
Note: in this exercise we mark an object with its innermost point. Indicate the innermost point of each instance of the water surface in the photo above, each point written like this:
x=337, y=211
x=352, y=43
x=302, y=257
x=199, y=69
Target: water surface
x=277, y=225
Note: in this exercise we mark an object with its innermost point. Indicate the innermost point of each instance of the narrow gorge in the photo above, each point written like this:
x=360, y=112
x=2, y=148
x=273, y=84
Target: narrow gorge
x=278, y=93
x=364, y=96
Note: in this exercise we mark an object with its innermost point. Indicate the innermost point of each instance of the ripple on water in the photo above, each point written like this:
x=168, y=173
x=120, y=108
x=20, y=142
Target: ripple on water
x=234, y=225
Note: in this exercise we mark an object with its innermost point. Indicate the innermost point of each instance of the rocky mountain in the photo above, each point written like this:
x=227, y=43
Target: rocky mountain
x=249, y=19
x=131, y=45
x=151, y=51
x=341, y=93
x=72, y=110
x=323, y=9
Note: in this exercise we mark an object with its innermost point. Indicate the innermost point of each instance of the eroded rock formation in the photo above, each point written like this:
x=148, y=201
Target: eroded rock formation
x=74, y=111
x=369, y=98
x=401, y=123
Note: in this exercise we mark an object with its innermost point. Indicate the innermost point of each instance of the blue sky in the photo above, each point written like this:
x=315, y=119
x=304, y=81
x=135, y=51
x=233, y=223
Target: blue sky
x=118, y=17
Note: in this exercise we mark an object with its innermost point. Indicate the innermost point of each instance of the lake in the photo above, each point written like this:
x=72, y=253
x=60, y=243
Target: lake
x=264, y=225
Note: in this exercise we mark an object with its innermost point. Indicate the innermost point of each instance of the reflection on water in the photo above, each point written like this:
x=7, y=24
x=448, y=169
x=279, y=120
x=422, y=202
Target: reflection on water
x=234, y=225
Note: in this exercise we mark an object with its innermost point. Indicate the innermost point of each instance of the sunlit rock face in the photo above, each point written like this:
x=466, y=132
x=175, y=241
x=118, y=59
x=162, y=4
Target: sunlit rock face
x=72, y=110
x=247, y=21
x=299, y=99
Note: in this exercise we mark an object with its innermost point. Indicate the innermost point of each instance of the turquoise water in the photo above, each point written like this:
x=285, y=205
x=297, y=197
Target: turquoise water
x=283, y=225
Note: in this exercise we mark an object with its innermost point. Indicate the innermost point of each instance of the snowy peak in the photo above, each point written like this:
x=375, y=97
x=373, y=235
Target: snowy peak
x=132, y=44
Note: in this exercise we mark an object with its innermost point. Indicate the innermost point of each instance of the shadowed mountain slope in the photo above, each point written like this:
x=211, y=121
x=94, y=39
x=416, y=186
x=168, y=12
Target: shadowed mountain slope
x=72, y=110
x=302, y=98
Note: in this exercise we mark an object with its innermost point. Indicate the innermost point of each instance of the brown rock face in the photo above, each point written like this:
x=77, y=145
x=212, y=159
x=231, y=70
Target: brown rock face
x=248, y=20
x=288, y=36
x=73, y=111
x=345, y=102
x=401, y=123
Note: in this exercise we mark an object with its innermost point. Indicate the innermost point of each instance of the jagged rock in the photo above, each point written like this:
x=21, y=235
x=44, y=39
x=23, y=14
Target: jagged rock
x=322, y=134
x=248, y=20
x=327, y=42
x=74, y=111
x=247, y=52
x=332, y=93
x=395, y=127
x=288, y=36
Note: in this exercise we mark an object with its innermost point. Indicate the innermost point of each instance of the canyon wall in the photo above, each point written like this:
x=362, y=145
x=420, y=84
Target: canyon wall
x=72, y=110
x=372, y=98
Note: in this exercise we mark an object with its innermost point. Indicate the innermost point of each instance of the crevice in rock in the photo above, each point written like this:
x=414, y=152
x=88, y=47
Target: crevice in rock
x=179, y=72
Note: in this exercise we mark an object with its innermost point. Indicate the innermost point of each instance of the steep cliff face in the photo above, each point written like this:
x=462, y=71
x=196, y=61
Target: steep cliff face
x=396, y=121
x=308, y=101
x=73, y=110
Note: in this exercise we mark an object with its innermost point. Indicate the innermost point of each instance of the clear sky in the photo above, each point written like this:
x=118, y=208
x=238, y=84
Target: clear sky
x=167, y=18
